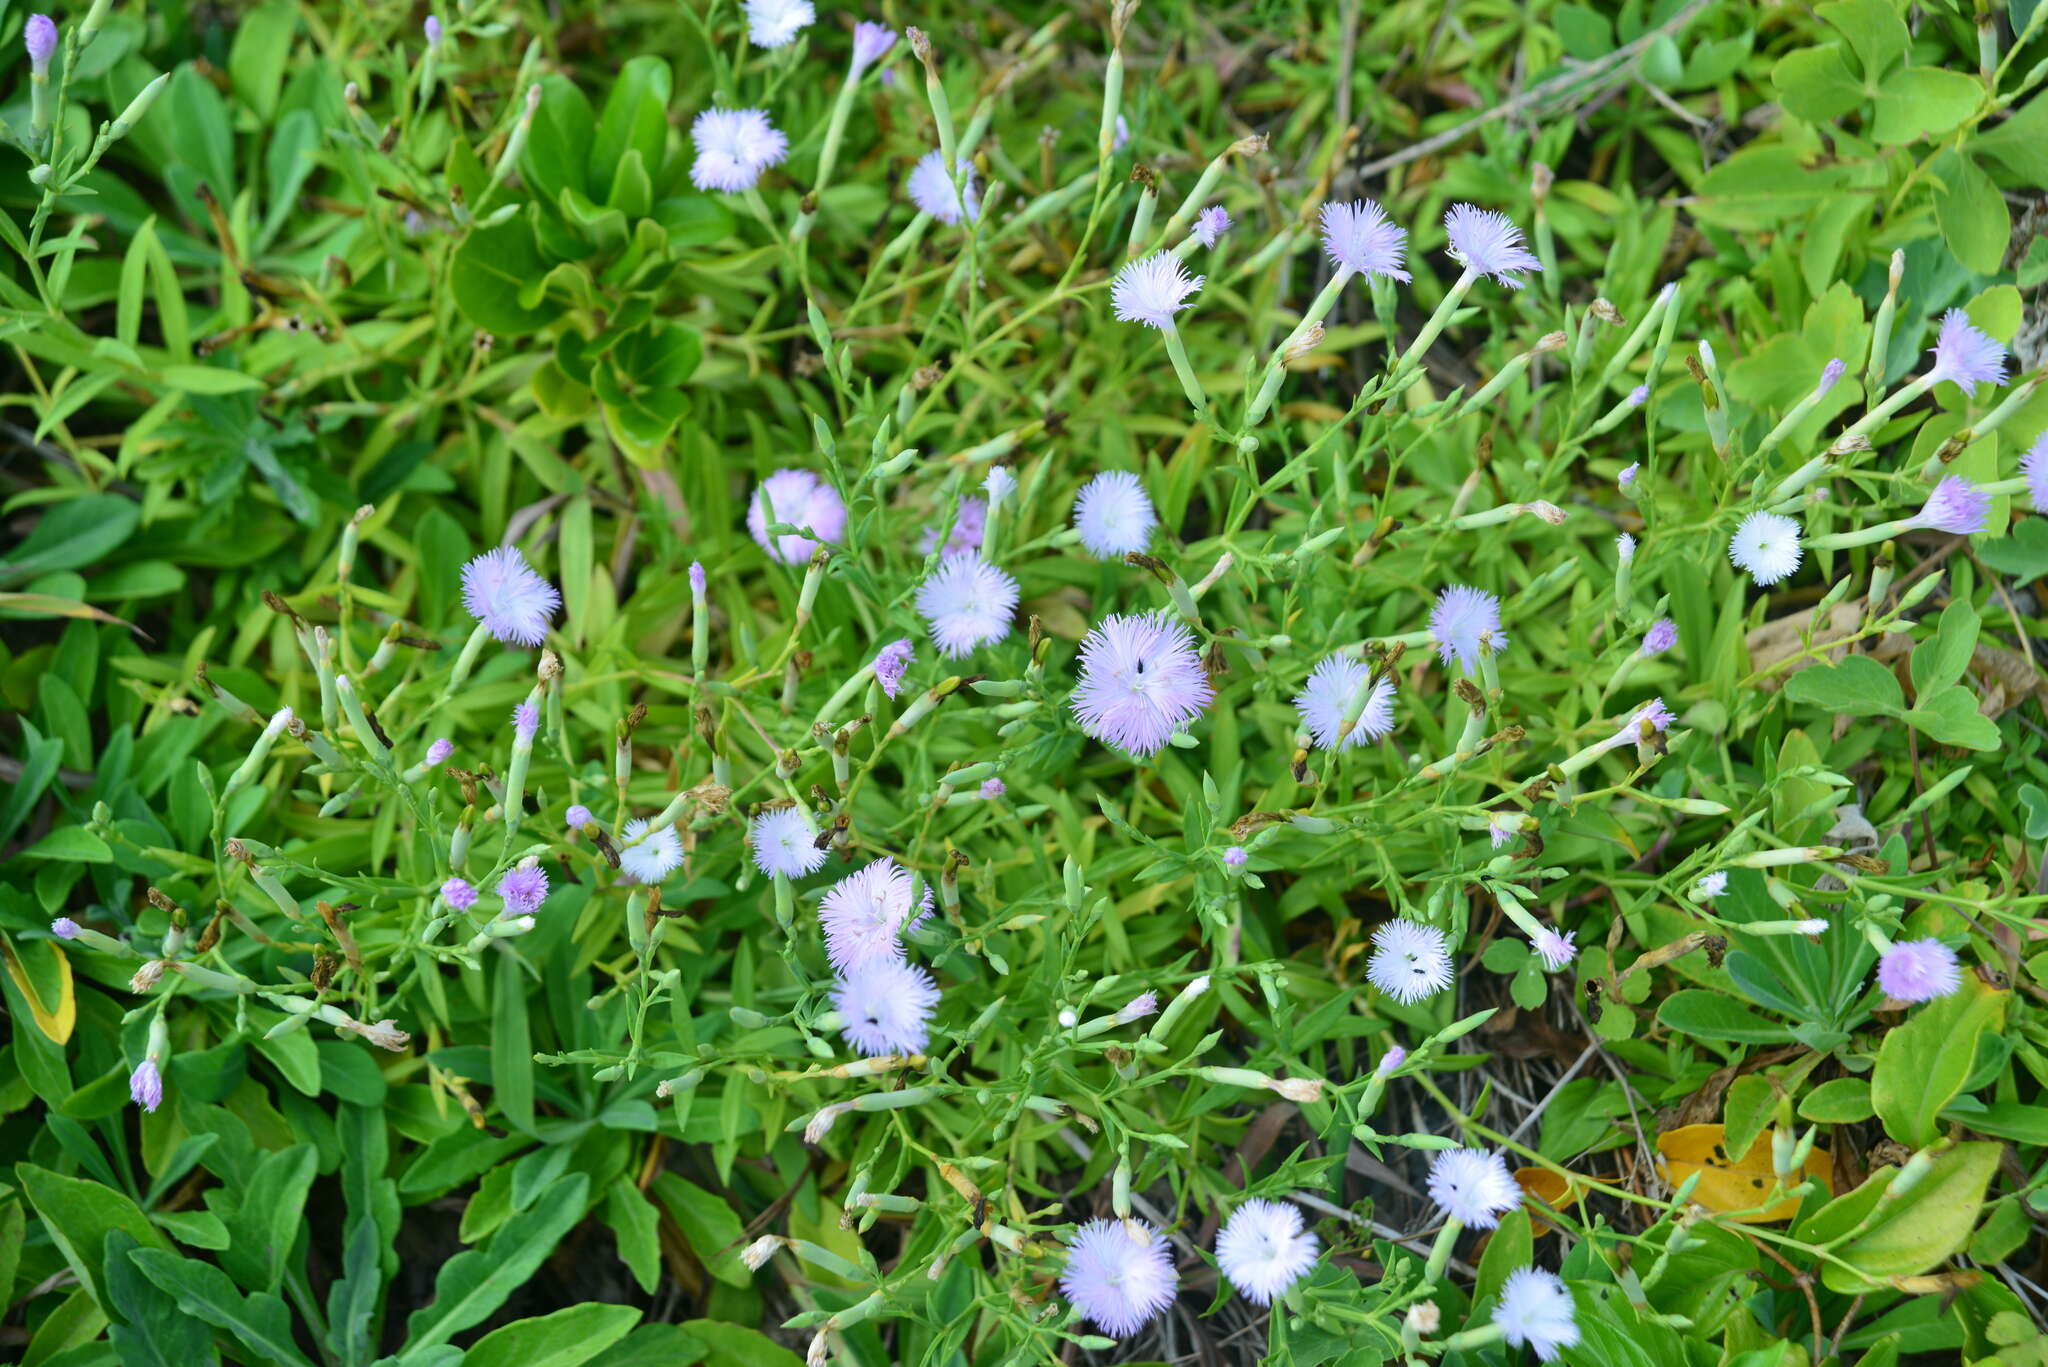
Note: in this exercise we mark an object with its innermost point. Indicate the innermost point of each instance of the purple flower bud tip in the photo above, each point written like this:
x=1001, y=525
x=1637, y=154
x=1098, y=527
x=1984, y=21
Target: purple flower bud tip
x=1831, y=375
x=579, y=816
x=146, y=1085
x=64, y=928
x=433, y=28
x=1662, y=635
x=526, y=719
x=1628, y=476
x=39, y=36
x=458, y=894
x=438, y=752
x=1639, y=396
x=1235, y=856
x=1392, y=1059
x=993, y=789
x=697, y=578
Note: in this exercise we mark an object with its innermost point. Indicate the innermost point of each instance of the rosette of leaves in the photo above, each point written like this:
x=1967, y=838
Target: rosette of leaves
x=608, y=212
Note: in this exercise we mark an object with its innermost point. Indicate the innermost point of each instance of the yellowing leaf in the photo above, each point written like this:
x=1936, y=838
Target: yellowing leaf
x=1728, y=1186
x=55, y=1020
x=1552, y=1189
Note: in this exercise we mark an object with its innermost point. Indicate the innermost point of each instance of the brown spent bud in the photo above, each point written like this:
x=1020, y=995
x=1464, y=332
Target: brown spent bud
x=1141, y=174
x=808, y=205
x=1482, y=452
x=1298, y=767
x=636, y=716
x=1470, y=695
x=1606, y=313
x=323, y=970
x=1034, y=632
x=1303, y=345
x=1549, y=341
x=417, y=642
x=1120, y=20
x=239, y=852
x=607, y=849
x=1253, y=146
x=1698, y=371
x=1253, y=821
x=1865, y=863
x=925, y=376
x=920, y=45
x=275, y=602
x=1540, y=181
x=161, y=900
x=550, y=666
x=210, y=936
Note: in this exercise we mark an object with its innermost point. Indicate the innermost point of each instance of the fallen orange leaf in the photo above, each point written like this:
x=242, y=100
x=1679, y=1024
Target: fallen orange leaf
x=1726, y=1185
x=1552, y=1189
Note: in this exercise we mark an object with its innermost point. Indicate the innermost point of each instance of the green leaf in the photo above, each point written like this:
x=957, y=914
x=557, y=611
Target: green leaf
x=2036, y=803
x=1709, y=1015
x=259, y=1322
x=567, y=1338
x=1508, y=1249
x=2023, y=553
x=149, y=1328
x=1840, y=1101
x=635, y=120
x=708, y=1223
x=559, y=146
x=1815, y=83
x=296, y=1057
x=79, y=1216
x=352, y=1300
x=637, y=1225
x=83, y=531
x=1910, y=1233
x=1745, y=1111
x=474, y=1283
x=259, y=59
x=1972, y=213
x=654, y=1345
x=205, y=140
x=1951, y=717
x=1874, y=29
x=2019, y=144
x=731, y=1345
x=1923, y=1064
x=264, y=1225
x=490, y=267
x=1941, y=659
x=511, y=1046
x=1917, y=102
x=1857, y=687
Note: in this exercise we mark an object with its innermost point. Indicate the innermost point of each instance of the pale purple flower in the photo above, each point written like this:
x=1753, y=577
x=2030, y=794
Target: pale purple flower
x=1359, y=237
x=1488, y=243
x=513, y=602
x=1235, y=857
x=1119, y=1275
x=438, y=752
x=776, y=23
x=1628, y=475
x=1554, y=948
x=1211, y=224
x=658, y=854
x=1264, y=1249
x=1502, y=827
x=39, y=36
x=1473, y=1186
x=146, y=1085
x=64, y=928
x=1625, y=548
x=1463, y=620
x=991, y=789
x=1638, y=396
x=1409, y=961
x=871, y=43
x=1536, y=1310
x=931, y=189
x=970, y=522
x=458, y=894
x=523, y=889
x=968, y=603
x=697, y=579
x=1137, y=1008
x=1392, y=1059
x=1114, y=515
x=2034, y=465
x=1965, y=354
x=1830, y=375
x=1328, y=695
x=578, y=816
x=433, y=31
x=1141, y=681
x=525, y=721
x=1654, y=712
x=1710, y=886
x=1956, y=506
x=1767, y=546
x=785, y=842
x=886, y=1008
x=1662, y=635
x=1152, y=290
x=864, y=914
x=1122, y=136
x=795, y=498
x=890, y=662
x=734, y=146
x=1918, y=970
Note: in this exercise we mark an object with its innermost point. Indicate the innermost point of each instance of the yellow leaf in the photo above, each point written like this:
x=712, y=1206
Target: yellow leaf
x=56, y=1022
x=1728, y=1186
x=1552, y=1189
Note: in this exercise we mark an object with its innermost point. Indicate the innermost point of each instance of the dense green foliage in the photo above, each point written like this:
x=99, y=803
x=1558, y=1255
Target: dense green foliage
x=333, y=308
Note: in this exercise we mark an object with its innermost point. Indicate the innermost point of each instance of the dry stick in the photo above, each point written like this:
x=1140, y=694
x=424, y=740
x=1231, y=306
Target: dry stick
x=1534, y=95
